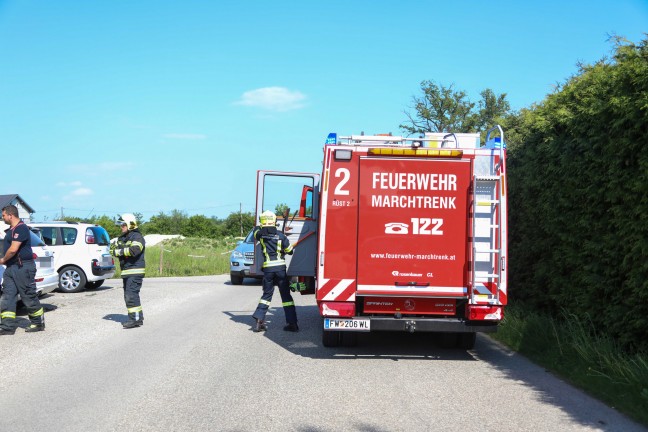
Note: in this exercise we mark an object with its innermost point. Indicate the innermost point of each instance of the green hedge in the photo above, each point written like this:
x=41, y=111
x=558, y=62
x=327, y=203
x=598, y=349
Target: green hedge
x=578, y=198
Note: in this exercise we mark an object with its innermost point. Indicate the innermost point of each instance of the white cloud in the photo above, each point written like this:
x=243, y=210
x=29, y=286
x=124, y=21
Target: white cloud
x=273, y=99
x=78, y=194
x=82, y=192
x=185, y=136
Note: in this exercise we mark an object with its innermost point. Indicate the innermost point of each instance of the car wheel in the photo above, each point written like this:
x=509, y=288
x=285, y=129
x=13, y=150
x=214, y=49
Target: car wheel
x=348, y=339
x=466, y=341
x=236, y=279
x=71, y=279
x=93, y=285
x=448, y=340
x=331, y=338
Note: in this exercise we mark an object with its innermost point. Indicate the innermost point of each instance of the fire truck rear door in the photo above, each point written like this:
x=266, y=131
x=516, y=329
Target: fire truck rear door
x=413, y=227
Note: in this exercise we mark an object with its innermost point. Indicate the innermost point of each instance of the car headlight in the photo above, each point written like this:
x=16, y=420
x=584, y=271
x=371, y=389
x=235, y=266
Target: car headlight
x=237, y=254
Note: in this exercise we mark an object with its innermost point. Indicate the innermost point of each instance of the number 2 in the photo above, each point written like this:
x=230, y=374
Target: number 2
x=346, y=175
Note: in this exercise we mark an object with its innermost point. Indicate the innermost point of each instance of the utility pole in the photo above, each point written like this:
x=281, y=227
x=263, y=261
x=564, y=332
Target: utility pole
x=61, y=213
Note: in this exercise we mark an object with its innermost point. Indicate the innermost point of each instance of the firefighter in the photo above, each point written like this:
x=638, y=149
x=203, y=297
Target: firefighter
x=275, y=246
x=19, y=276
x=129, y=248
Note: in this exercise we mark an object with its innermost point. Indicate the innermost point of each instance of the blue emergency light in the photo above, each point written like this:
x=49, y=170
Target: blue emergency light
x=494, y=143
x=331, y=139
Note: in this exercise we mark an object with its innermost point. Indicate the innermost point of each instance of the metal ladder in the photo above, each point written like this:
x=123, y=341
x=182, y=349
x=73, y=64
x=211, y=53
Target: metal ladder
x=488, y=185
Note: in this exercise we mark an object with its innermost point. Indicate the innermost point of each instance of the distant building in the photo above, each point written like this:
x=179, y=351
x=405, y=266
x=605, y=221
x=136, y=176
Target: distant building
x=25, y=212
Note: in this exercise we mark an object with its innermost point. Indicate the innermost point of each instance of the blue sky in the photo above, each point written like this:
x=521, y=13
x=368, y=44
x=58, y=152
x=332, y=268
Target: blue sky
x=149, y=106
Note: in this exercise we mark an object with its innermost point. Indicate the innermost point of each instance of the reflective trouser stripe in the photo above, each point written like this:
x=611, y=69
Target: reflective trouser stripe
x=265, y=302
x=286, y=304
x=133, y=271
x=10, y=315
x=38, y=313
x=135, y=309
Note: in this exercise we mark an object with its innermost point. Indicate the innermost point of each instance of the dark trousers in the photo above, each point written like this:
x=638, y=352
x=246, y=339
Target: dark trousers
x=20, y=280
x=272, y=277
x=132, y=287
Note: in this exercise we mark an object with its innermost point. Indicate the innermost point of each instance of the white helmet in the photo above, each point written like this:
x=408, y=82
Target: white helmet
x=127, y=218
x=268, y=219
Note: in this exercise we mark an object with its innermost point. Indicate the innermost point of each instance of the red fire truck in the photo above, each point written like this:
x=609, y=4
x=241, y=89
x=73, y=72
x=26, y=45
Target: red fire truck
x=398, y=234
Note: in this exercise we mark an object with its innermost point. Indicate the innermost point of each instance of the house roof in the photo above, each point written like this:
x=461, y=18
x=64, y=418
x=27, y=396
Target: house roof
x=5, y=200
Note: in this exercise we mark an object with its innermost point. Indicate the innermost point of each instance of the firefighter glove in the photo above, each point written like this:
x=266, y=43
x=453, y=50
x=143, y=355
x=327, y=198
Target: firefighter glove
x=297, y=287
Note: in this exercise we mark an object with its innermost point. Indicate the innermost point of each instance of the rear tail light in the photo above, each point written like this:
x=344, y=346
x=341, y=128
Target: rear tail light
x=39, y=279
x=90, y=238
x=343, y=309
x=34, y=255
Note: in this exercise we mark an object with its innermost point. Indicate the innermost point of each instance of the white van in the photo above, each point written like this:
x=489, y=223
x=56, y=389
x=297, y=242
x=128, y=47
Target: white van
x=81, y=254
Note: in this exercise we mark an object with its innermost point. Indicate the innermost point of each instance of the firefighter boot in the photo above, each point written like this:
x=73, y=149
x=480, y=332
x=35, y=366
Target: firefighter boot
x=5, y=332
x=35, y=328
x=132, y=324
x=259, y=326
x=291, y=328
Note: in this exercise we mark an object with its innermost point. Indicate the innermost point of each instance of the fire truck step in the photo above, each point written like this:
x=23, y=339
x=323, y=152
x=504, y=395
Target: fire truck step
x=487, y=178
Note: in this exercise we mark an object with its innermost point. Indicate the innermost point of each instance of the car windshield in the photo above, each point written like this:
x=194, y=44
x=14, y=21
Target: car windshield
x=249, y=238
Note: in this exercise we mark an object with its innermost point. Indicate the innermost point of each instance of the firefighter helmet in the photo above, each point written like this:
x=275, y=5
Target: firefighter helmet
x=268, y=219
x=127, y=219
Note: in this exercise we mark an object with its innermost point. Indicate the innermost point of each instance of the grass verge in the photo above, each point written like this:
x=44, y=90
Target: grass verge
x=188, y=257
x=572, y=350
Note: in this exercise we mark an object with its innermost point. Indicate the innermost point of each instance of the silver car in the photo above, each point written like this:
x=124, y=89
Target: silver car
x=46, y=276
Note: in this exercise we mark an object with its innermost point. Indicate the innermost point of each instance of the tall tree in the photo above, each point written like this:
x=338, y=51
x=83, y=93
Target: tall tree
x=444, y=109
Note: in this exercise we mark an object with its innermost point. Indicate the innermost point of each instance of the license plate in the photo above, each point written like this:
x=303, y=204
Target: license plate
x=347, y=324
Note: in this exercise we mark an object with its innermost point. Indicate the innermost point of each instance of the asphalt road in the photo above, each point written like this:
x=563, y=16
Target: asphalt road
x=196, y=365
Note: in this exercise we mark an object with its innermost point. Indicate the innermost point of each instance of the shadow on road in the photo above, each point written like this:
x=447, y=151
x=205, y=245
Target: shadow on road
x=552, y=390
x=118, y=318
x=246, y=282
x=386, y=345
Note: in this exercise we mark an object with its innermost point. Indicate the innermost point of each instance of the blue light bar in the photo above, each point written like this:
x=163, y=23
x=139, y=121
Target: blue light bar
x=331, y=139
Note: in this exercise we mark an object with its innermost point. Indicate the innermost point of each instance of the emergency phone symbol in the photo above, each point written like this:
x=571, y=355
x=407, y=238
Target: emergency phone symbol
x=396, y=228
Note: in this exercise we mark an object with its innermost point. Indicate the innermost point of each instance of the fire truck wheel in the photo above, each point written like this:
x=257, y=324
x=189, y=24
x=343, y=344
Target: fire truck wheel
x=467, y=341
x=448, y=340
x=330, y=338
x=348, y=339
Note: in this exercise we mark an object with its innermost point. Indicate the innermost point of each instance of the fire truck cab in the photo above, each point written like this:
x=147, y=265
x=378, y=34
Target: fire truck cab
x=398, y=234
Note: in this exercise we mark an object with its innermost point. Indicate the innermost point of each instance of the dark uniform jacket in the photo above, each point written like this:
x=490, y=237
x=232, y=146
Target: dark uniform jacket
x=274, y=245
x=130, y=250
x=18, y=233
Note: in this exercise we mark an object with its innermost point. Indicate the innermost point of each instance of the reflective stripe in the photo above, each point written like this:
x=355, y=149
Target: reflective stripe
x=131, y=244
x=291, y=303
x=274, y=263
x=8, y=315
x=133, y=271
x=288, y=249
x=265, y=302
x=265, y=252
x=38, y=313
x=135, y=309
